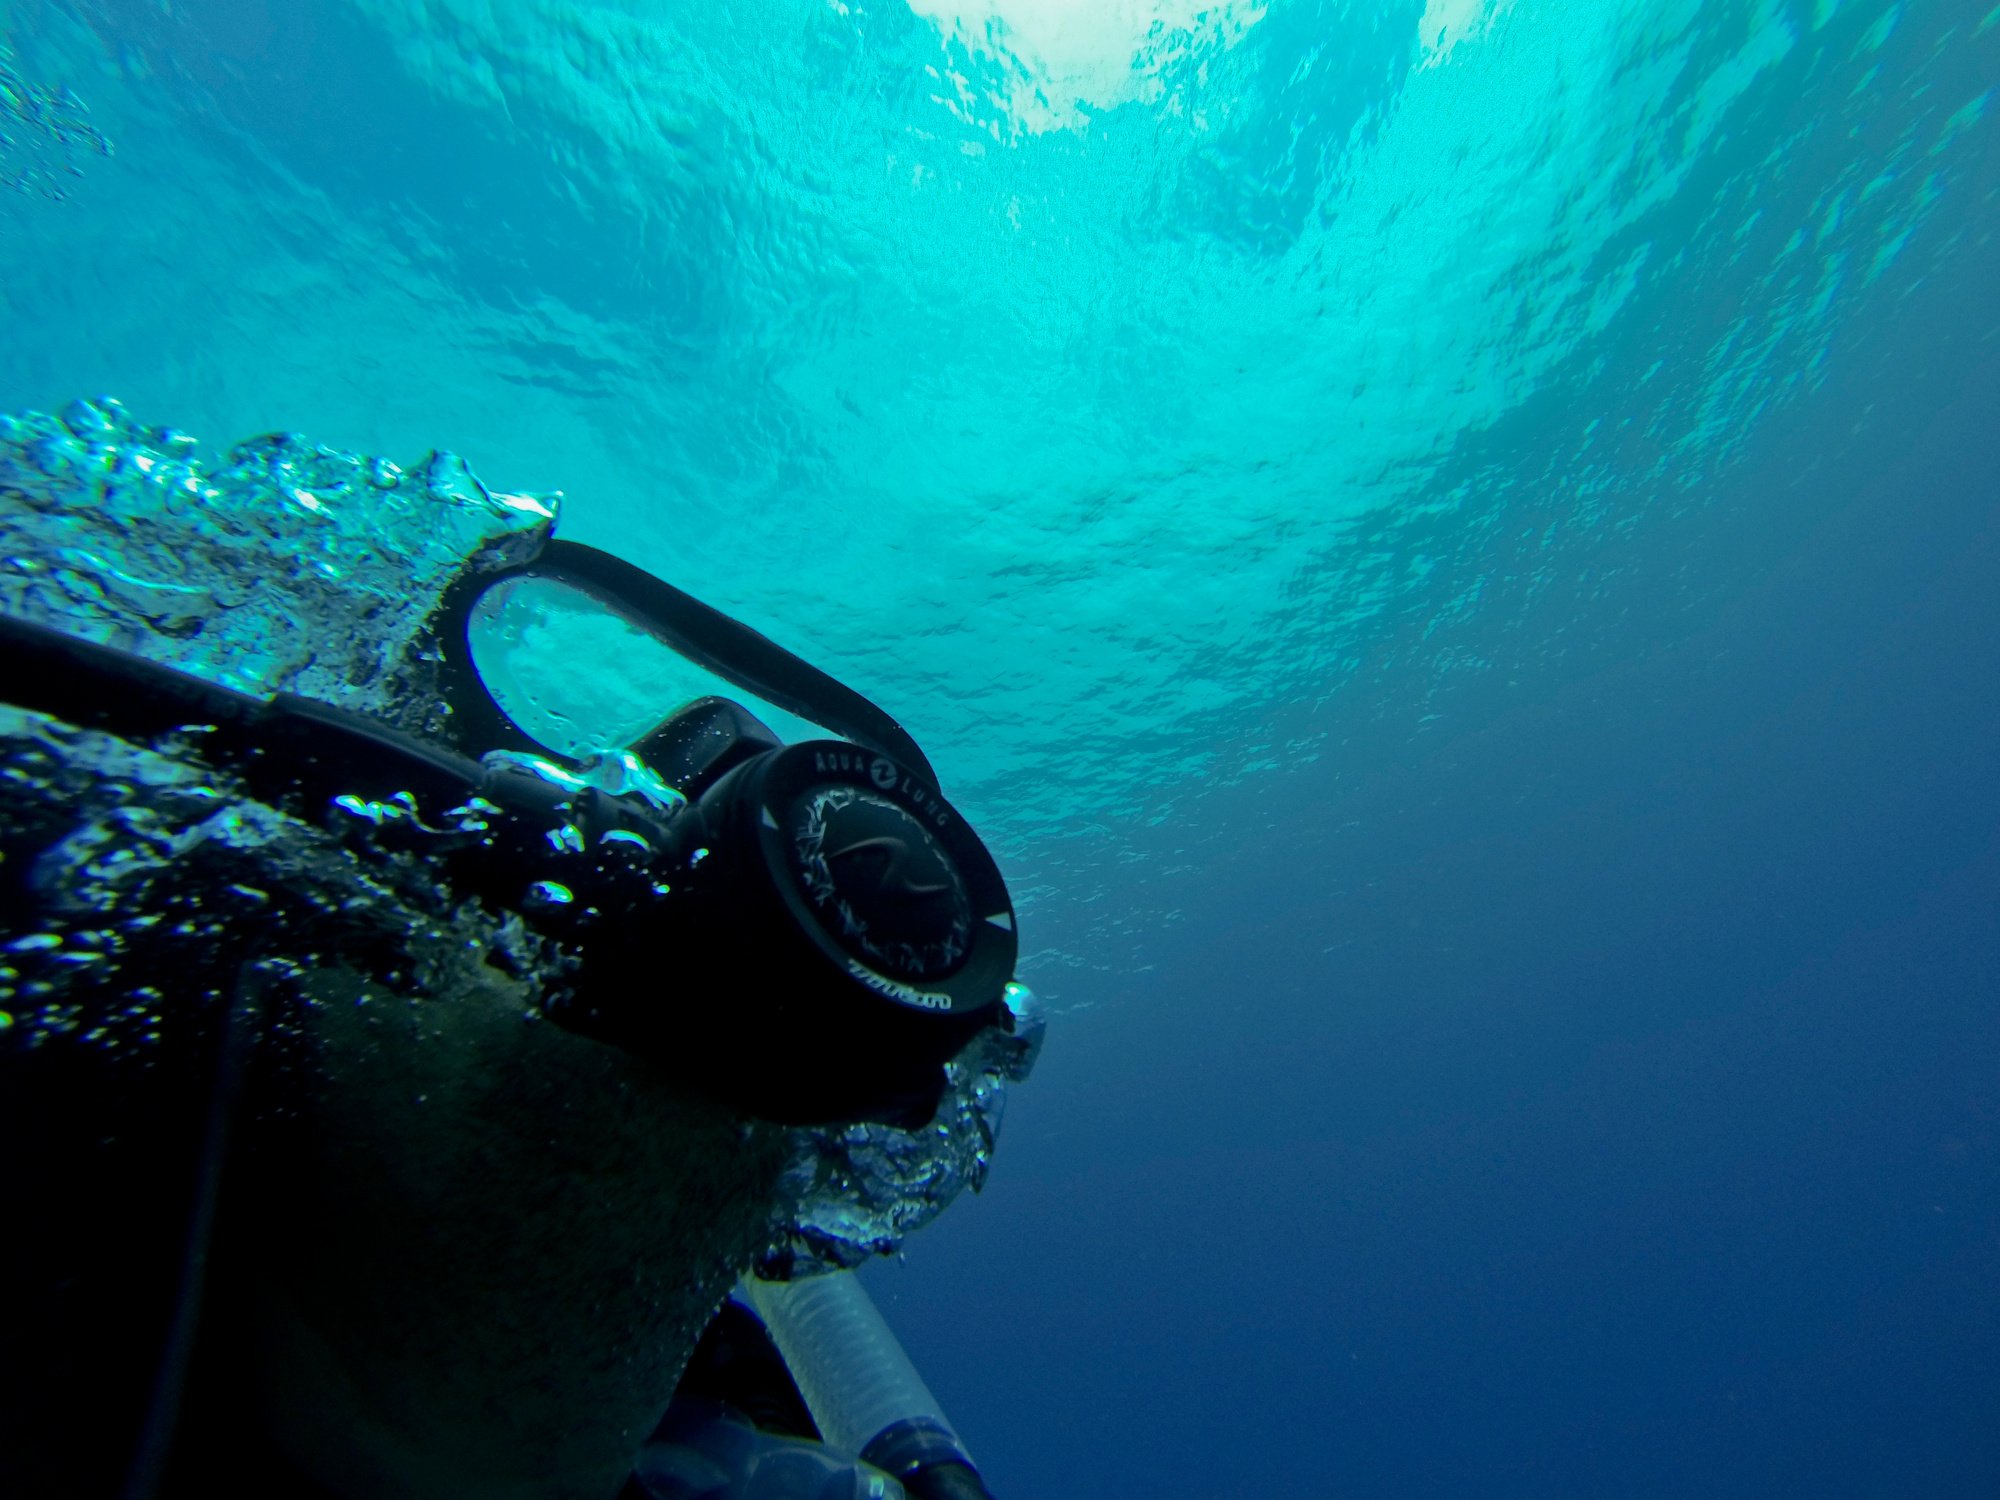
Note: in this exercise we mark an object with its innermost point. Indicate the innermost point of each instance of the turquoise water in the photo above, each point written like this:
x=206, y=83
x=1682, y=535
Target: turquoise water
x=1091, y=386
x=1213, y=430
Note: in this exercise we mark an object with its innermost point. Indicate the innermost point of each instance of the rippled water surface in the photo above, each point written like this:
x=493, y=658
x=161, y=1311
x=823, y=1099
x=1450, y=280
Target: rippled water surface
x=1088, y=381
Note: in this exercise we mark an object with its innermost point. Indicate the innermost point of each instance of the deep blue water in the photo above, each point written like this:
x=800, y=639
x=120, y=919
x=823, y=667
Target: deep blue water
x=1458, y=570
x=1601, y=1100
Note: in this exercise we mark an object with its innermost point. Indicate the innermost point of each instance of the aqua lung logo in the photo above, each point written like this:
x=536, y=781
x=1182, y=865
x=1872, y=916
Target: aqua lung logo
x=927, y=999
x=889, y=777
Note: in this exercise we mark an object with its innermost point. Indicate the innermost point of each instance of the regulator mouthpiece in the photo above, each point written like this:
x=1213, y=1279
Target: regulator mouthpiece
x=832, y=934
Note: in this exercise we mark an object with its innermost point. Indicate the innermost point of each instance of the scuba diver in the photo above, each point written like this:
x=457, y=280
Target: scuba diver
x=394, y=1090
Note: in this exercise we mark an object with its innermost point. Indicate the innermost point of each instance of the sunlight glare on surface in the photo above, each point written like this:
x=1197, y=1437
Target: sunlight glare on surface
x=1069, y=58
x=1447, y=23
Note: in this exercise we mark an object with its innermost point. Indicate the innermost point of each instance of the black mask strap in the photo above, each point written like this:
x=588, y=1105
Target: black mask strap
x=700, y=633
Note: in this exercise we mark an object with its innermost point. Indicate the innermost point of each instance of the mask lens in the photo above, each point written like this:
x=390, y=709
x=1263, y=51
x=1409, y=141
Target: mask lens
x=578, y=677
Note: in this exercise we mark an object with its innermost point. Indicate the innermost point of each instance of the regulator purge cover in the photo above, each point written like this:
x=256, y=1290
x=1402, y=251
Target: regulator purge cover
x=897, y=892
x=868, y=936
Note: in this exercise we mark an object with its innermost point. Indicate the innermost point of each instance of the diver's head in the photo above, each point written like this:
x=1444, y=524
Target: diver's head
x=541, y=1050
x=765, y=935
